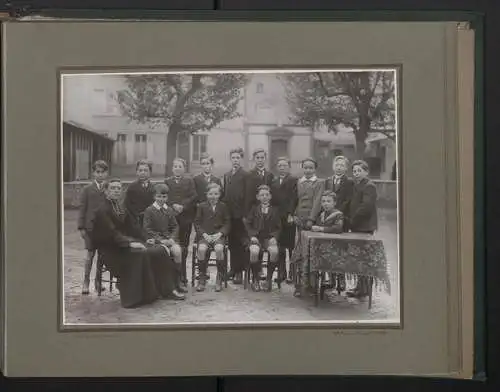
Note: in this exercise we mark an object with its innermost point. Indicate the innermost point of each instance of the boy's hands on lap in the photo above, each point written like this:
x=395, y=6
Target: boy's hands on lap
x=178, y=208
x=150, y=241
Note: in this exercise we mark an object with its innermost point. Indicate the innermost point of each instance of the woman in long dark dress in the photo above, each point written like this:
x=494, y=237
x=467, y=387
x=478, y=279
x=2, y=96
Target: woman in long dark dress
x=144, y=272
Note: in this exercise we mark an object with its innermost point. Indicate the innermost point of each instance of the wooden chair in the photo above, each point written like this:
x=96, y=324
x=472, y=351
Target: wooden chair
x=100, y=271
x=212, y=262
x=264, y=260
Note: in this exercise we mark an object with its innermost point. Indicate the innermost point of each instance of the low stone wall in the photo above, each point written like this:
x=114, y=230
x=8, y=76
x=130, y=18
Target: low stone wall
x=387, y=193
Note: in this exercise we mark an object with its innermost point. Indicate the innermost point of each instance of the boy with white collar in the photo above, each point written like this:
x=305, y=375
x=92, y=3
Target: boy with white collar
x=161, y=226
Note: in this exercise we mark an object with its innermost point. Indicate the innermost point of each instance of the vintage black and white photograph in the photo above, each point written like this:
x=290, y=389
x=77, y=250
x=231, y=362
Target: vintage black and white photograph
x=230, y=197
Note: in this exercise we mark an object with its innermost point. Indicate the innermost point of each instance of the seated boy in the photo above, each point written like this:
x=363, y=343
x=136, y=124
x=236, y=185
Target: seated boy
x=212, y=225
x=161, y=227
x=263, y=224
x=331, y=220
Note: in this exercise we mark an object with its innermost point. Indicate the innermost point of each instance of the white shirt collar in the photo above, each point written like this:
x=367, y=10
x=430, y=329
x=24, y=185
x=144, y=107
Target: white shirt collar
x=158, y=207
x=312, y=179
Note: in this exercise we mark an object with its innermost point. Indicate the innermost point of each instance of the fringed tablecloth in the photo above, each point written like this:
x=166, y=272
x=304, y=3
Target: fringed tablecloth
x=353, y=254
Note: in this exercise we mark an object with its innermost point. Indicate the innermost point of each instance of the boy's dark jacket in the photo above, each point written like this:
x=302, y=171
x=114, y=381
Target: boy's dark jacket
x=284, y=195
x=344, y=192
x=160, y=224
x=363, y=207
x=210, y=222
x=263, y=226
x=139, y=197
x=90, y=201
x=235, y=192
x=332, y=222
x=201, y=185
x=254, y=180
x=184, y=193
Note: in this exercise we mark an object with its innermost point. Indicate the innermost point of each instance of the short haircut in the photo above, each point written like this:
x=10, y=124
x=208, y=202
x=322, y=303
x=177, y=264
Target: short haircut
x=309, y=160
x=331, y=194
x=177, y=159
x=341, y=158
x=206, y=156
x=161, y=189
x=258, y=151
x=263, y=188
x=286, y=159
x=362, y=164
x=143, y=162
x=237, y=150
x=110, y=181
x=214, y=185
x=100, y=164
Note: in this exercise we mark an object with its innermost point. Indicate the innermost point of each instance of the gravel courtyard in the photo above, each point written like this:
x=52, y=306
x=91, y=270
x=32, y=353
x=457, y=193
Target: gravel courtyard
x=234, y=304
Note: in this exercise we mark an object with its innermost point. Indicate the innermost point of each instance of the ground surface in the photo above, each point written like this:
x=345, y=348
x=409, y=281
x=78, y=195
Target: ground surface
x=234, y=304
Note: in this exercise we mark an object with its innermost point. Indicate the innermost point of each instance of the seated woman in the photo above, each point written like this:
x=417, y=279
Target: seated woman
x=144, y=273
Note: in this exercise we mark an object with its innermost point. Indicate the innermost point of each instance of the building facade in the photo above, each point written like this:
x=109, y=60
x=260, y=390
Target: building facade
x=263, y=122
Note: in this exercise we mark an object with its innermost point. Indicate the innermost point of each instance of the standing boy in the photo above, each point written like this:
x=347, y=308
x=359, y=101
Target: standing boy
x=284, y=197
x=92, y=197
x=235, y=193
x=206, y=177
x=343, y=187
x=140, y=193
x=362, y=214
x=182, y=198
x=258, y=176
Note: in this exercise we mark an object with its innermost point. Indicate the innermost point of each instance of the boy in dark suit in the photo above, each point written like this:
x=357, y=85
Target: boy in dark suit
x=206, y=177
x=258, y=176
x=182, y=198
x=162, y=229
x=235, y=194
x=362, y=214
x=263, y=225
x=92, y=197
x=343, y=187
x=212, y=224
x=140, y=194
x=284, y=197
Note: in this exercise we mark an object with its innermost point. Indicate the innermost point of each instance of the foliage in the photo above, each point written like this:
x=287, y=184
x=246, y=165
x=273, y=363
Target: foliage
x=361, y=101
x=191, y=102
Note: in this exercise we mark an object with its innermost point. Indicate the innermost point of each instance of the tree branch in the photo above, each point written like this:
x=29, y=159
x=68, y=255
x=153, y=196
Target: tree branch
x=330, y=93
x=183, y=99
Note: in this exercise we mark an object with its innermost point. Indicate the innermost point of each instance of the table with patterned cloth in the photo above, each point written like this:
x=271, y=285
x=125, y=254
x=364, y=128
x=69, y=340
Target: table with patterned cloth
x=353, y=254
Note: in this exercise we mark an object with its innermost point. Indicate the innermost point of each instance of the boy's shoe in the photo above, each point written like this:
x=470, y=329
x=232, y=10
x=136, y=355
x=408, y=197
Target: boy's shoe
x=176, y=296
x=201, y=285
x=238, y=278
x=182, y=289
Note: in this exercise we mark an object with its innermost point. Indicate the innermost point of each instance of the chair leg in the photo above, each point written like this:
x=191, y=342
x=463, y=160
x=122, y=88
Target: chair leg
x=193, y=265
x=370, y=292
x=316, y=287
x=225, y=268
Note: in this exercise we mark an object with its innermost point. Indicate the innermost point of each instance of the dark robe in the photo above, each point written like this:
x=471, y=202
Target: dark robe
x=142, y=276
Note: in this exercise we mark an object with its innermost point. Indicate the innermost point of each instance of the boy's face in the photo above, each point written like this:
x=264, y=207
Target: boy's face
x=143, y=172
x=161, y=198
x=264, y=196
x=260, y=159
x=114, y=190
x=283, y=167
x=327, y=203
x=100, y=174
x=359, y=173
x=236, y=160
x=213, y=195
x=339, y=167
x=178, y=168
x=206, y=165
x=309, y=169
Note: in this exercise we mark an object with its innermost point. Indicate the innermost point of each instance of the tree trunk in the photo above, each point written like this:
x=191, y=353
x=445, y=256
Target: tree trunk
x=171, y=147
x=361, y=135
